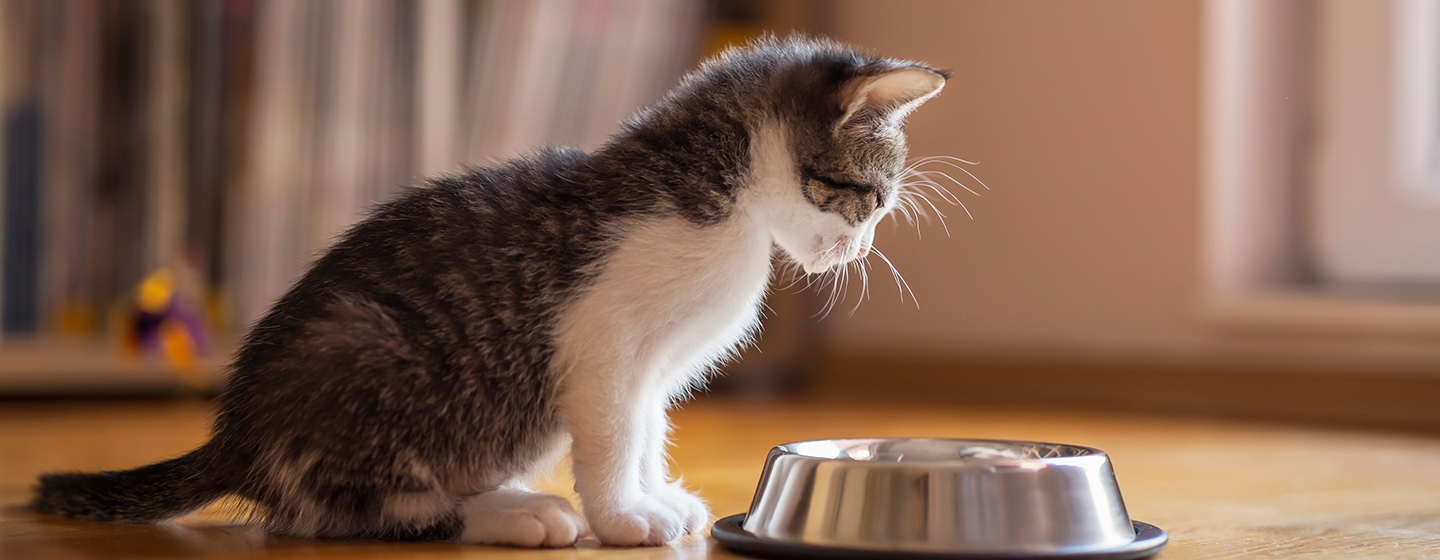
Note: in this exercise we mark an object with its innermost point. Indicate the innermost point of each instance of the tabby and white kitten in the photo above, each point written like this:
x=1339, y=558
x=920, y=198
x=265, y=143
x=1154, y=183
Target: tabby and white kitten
x=466, y=334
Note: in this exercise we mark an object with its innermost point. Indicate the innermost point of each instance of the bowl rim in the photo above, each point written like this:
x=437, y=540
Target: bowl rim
x=731, y=534
x=1089, y=453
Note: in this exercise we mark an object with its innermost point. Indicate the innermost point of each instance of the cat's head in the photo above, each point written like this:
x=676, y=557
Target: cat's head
x=832, y=156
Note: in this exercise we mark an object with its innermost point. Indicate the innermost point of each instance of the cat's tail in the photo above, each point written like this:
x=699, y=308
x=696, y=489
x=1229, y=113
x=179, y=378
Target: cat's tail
x=151, y=493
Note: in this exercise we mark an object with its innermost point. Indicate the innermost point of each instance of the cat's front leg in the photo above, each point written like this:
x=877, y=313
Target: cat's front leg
x=609, y=437
x=655, y=477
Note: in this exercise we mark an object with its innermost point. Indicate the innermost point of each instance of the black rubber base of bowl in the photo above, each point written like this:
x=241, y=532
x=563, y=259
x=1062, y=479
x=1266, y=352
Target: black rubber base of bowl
x=1149, y=539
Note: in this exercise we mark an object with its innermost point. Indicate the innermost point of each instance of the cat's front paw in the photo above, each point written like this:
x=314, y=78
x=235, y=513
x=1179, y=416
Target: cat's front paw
x=649, y=522
x=690, y=506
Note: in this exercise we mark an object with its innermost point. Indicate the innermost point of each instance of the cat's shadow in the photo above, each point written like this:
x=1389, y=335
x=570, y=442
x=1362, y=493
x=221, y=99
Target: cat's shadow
x=25, y=533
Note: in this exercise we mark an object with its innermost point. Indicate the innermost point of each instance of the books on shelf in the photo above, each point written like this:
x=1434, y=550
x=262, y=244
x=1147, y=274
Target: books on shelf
x=231, y=140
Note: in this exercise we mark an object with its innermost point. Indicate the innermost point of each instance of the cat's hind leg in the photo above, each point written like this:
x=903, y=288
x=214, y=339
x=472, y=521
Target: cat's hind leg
x=516, y=516
x=314, y=497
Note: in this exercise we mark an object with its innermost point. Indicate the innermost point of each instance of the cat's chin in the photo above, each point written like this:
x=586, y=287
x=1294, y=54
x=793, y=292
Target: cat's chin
x=817, y=267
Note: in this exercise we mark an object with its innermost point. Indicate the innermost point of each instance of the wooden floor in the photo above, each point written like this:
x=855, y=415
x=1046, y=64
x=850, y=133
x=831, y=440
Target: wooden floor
x=1222, y=490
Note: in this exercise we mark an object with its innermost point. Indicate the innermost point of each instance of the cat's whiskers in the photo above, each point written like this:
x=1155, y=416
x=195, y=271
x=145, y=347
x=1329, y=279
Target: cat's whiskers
x=900, y=204
x=861, y=266
x=811, y=280
x=899, y=278
x=796, y=275
x=914, y=194
x=815, y=280
x=914, y=170
x=835, y=291
x=922, y=178
x=931, y=159
x=825, y=279
x=913, y=213
x=946, y=160
x=907, y=202
x=845, y=285
x=914, y=205
x=940, y=189
x=838, y=279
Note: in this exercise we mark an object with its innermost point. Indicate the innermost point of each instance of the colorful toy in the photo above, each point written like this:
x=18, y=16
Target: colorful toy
x=159, y=322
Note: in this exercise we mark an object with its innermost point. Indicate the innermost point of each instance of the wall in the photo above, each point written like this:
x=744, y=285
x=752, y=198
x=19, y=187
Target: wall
x=1085, y=119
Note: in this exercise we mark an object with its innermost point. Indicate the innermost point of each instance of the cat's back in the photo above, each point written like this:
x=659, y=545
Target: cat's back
x=450, y=284
x=459, y=258
x=486, y=201
x=481, y=220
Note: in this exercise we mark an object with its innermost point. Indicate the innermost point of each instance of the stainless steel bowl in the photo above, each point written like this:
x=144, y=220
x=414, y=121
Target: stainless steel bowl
x=968, y=497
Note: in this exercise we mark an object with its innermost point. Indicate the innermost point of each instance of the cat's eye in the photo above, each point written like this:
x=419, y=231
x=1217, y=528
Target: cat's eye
x=835, y=184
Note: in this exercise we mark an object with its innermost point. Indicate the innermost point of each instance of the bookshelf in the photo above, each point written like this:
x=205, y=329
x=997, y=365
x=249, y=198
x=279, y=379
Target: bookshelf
x=226, y=142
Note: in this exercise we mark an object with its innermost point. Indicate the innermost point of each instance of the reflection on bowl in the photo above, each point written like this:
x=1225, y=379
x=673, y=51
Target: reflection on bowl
x=941, y=495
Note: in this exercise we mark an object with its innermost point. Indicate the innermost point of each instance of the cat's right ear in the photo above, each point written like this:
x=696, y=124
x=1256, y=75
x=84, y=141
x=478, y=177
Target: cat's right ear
x=890, y=94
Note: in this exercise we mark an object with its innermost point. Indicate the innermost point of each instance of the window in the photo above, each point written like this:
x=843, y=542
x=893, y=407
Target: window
x=1322, y=165
x=1376, y=163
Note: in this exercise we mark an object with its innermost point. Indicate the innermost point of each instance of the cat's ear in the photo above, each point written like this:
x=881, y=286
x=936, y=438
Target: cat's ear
x=891, y=94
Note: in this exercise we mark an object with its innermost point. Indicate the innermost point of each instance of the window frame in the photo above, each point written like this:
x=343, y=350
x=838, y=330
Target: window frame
x=1257, y=119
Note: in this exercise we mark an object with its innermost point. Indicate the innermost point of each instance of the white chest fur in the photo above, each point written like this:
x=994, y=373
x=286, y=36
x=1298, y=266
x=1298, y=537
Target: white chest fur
x=670, y=302
x=675, y=298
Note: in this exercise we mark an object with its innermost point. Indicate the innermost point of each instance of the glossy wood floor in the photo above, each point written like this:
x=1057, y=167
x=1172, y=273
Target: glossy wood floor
x=1222, y=490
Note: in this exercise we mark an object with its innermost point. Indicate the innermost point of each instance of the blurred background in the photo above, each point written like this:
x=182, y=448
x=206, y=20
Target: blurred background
x=1216, y=208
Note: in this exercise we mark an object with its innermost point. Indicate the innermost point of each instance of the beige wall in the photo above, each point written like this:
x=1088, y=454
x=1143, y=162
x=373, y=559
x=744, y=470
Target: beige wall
x=1084, y=117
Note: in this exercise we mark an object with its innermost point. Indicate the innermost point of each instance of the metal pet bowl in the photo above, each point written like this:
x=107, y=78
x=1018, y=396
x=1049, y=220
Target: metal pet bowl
x=937, y=498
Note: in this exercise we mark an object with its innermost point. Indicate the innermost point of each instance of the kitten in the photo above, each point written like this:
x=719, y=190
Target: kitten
x=468, y=333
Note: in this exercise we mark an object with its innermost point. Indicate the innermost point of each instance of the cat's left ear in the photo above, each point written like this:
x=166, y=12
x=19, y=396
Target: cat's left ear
x=891, y=94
